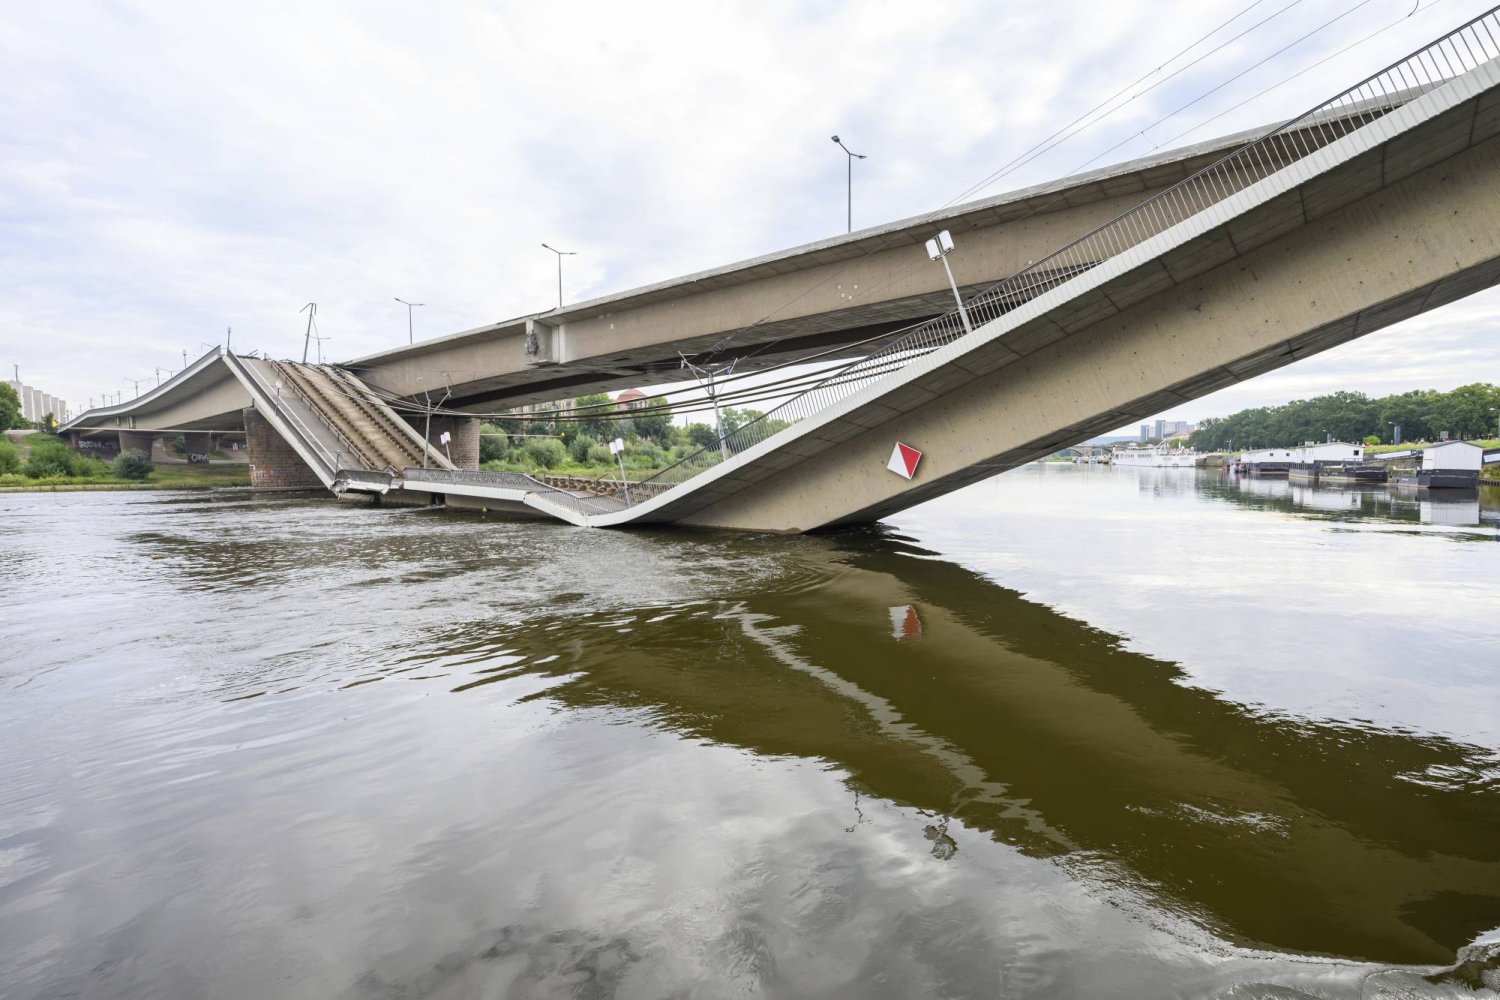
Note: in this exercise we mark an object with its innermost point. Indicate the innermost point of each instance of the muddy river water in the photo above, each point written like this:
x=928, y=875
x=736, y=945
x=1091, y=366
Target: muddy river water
x=1071, y=732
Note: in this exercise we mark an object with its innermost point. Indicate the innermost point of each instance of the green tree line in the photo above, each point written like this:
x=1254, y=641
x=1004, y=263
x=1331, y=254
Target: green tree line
x=1470, y=411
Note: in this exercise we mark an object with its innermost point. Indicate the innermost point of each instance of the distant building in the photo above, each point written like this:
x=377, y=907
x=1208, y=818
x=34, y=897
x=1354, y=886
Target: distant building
x=1164, y=429
x=36, y=404
x=1145, y=433
x=632, y=399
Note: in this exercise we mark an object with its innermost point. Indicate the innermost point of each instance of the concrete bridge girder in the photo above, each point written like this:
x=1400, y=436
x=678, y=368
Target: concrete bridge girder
x=839, y=291
x=1333, y=269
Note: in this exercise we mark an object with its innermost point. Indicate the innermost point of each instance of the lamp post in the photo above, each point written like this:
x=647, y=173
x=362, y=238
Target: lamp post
x=849, y=179
x=938, y=248
x=560, y=255
x=410, y=339
x=137, y=383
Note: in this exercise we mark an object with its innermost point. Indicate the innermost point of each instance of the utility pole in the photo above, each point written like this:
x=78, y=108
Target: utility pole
x=312, y=310
x=137, y=383
x=427, y=422
x=706, y=374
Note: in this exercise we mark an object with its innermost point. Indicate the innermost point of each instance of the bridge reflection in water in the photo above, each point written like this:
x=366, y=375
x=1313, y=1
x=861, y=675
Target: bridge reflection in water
x=1005, y=718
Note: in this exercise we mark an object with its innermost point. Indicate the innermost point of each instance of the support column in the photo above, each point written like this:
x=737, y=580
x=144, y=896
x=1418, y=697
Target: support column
x=136, y=441
x=101, y=446
x=198, y=444
x=273, y=462
x=463, y=449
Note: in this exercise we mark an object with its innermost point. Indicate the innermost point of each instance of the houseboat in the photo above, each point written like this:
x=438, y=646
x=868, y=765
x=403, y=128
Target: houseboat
x=1447, y=465
x=1334, y=462
x=1266, y=462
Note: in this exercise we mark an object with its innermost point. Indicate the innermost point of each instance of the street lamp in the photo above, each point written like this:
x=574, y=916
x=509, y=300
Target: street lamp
x=409, y=307
x=560, y=255
x=938, y=248
x=849, y=187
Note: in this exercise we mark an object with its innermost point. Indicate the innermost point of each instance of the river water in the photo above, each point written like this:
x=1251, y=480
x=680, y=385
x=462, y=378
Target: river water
x=1071, y=732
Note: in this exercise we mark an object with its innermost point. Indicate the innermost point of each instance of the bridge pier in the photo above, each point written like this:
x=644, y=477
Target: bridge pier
x=463, y=448
x=137, y=441
x=198, y=444
x=273, y=462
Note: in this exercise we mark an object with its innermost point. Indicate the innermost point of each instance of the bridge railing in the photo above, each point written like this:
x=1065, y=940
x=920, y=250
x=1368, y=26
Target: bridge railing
x=1451, y=56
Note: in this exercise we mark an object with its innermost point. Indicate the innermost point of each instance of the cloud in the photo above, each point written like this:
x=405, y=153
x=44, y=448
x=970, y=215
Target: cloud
x=170, y=170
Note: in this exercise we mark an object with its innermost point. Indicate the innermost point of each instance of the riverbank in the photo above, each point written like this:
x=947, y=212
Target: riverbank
x=184, y=477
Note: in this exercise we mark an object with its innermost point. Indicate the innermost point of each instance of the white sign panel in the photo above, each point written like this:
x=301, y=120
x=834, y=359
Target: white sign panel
x=904, y=459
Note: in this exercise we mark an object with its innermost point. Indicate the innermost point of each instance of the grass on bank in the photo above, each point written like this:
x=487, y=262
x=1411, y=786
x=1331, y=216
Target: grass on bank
x=45, y=462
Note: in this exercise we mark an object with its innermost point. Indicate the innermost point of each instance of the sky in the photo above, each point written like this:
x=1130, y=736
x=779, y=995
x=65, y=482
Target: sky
x=172, y=170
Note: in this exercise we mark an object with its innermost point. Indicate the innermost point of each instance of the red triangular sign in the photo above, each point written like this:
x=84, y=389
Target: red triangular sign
x=904, y=459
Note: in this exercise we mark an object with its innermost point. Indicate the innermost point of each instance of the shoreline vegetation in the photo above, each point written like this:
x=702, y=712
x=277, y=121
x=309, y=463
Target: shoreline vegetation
x=42, y=463
x=1469, y=412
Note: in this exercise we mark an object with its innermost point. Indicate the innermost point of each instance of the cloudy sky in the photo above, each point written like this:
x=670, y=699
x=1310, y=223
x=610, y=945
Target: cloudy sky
x=168, y=170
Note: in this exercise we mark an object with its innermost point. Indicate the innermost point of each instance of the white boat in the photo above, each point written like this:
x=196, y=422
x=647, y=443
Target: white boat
x=1157, y=456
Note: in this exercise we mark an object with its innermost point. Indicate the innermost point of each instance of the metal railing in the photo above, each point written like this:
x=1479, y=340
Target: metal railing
x=475, y=477
x=286, y=412
x=349, y=447
x=1451, y=56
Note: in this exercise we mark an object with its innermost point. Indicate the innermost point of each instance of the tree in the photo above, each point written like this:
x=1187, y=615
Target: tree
x=493, y=443
x=594, y=413
x=10, y=408
x=654, y=420
x=735, y=419
x=702, y=435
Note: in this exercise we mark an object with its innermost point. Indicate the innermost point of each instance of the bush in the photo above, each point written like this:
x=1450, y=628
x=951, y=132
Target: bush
x=131, y=465
x=547, y=453
x=492, y=445
x=580, y=448
x=10, y=457
x=599, y=455
x=643, y=455
x=53, y=458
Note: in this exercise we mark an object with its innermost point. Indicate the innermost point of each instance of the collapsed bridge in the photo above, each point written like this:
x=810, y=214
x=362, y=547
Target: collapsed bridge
x=1193, y=270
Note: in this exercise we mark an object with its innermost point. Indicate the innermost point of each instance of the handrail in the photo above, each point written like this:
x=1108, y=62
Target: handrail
x=1460, y=51
x=362, y=398
x=307, y=434
x=354, y=450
